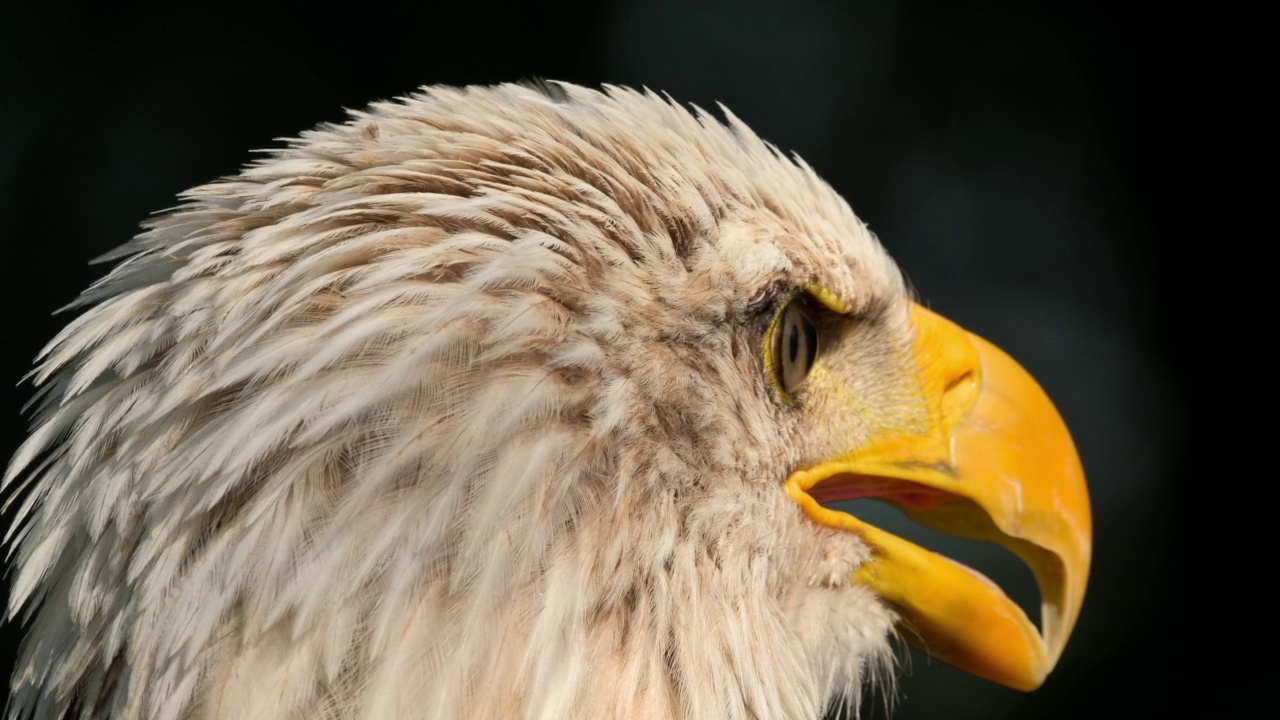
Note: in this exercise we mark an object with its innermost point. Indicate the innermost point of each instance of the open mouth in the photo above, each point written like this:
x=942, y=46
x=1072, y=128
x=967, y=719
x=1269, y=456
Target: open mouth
x=884, y=503
x=949, y=609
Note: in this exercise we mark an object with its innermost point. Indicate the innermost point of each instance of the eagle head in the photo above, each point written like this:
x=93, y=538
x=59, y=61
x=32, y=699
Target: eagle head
x=521, y=402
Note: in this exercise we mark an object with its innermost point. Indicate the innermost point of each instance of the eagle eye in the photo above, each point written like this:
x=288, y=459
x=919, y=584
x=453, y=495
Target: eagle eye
x=793, y=345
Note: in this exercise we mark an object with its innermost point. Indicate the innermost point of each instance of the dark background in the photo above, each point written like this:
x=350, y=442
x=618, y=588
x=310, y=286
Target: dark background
x=1030, y=167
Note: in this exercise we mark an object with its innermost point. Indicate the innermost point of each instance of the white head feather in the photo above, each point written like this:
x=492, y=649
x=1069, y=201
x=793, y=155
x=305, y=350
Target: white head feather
x=455, y=410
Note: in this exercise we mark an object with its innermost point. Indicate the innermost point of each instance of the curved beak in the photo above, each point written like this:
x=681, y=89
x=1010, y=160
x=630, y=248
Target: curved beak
x=993, y=461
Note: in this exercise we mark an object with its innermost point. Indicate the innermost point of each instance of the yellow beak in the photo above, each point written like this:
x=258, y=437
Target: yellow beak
x=993, y=461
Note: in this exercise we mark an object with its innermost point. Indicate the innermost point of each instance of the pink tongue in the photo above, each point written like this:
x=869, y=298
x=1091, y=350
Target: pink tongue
x=900, y=493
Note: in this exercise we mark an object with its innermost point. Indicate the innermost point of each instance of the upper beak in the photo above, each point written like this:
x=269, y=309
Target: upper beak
x=993, y=461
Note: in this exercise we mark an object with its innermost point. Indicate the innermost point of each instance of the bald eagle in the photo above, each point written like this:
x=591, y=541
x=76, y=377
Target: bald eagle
x=520, y=402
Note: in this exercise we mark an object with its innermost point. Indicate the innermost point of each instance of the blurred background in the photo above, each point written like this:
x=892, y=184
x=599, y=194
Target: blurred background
x=1027, y=164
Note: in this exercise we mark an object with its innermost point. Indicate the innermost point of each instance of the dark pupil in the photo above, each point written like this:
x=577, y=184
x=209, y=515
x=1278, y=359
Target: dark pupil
x=795, y=342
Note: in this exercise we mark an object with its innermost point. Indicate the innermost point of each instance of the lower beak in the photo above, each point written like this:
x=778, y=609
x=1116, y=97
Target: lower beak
x=993, y=462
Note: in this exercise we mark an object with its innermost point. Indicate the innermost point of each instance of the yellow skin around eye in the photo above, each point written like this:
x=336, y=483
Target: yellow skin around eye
x=827, y=298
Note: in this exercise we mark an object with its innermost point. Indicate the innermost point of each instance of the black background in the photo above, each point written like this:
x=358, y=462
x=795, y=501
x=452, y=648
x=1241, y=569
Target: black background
x=1030, y=167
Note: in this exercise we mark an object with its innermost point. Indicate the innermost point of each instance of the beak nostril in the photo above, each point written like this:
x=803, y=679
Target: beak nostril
x=959, y=396
x=960, y=380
